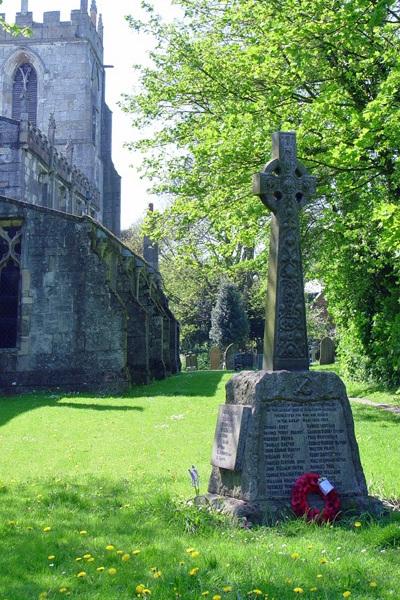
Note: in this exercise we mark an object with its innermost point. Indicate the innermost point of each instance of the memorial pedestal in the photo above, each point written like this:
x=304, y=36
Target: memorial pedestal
x=276, y=426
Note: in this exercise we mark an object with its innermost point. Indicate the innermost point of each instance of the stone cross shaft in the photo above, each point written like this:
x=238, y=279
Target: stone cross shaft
x=284, y=187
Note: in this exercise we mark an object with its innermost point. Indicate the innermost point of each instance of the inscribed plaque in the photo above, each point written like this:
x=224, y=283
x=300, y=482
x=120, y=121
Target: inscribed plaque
x=230, y=436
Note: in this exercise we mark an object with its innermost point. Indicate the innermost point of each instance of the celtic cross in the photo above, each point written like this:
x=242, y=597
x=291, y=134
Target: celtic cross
x=284, y=187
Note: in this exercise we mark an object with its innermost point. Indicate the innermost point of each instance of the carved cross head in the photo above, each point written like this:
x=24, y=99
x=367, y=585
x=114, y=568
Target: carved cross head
x=284, y=180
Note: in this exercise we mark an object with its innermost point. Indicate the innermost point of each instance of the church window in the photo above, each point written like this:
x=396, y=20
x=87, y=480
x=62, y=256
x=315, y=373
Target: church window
x=10, y=256
x=25, y=92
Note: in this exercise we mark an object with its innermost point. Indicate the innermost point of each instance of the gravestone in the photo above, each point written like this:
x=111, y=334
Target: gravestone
x=191, y=362
x=229, y=357
x=284, y=421
x=326, y=351
x=215, y=358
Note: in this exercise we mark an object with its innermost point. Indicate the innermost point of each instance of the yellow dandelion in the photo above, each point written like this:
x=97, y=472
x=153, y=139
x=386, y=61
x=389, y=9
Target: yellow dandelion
x=156, y=574
x=91, y=559
x=357, y=524
x=100, y=569
x=346, y=594
x=206, y=593
x=110, y=547
x=298, y=590
x=319, y=576
x=194, y=571
x=323, y=561
x=46, y=529
x=313, y=589
x=51, y=557
x=136, y=552
x=81, y=574
x=373, y=584
x=112, y=571
x=125, y=557
x=86, y=556
x=295, y=555
x=227, y=588
x=140, y=588
x=78, y=558
x=190, y=550
x=216, y=597
x=42, y=595
x=83, y=532
x=62, y=590
x=195, y=554
x=120, y=552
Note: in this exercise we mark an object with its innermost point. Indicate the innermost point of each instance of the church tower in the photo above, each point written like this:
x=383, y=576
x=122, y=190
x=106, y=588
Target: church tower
x=58, y=73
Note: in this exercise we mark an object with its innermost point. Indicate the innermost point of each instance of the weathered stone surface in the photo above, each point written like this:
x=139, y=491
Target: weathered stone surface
x=68, y=59
x=215, y=358
x=229, y=357
x=92, y=314
x=326, y=351
x=299, y=423
x=191, y=362
x=284, y=187
x=230, y=436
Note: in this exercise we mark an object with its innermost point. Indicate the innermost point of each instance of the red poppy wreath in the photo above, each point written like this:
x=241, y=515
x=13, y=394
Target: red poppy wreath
x=309, y=484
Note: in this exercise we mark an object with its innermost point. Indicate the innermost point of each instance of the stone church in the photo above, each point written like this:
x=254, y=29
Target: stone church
x=78, y=309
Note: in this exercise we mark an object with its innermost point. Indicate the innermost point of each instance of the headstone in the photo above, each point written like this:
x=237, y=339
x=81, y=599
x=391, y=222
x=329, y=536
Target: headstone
x=314, y=352
x=300, y=421
x=244, y=361
x=215, y=358
x=183, y=361
x=327, y=351
x=259, y=361
x=191, y=362
x=229, y=357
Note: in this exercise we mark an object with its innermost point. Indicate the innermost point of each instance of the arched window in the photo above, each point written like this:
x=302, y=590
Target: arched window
x=10, y=255
x=25, y=92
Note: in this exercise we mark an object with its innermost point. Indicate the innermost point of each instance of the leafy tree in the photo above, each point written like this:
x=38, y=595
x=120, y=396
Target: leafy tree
x=227, y=75
x=229, y=324
x=133, y=237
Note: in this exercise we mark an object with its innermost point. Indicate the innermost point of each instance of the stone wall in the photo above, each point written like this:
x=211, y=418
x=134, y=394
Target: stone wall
x=68, y=59
x=92, y=314
x=34, y=171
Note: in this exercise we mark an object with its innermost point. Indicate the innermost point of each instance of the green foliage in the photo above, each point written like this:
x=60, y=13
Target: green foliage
x=13, y=29
x=229, y=323
x=133, y=237
x=223, y=79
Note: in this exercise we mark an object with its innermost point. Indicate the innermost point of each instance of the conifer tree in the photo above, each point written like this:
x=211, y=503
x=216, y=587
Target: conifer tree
x=229, y=323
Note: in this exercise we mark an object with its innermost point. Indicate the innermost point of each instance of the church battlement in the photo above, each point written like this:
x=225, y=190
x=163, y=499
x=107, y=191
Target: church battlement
x=49, y=177
x=81, y=26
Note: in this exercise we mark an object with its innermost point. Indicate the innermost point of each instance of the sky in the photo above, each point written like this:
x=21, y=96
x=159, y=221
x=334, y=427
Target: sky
x=122, y=48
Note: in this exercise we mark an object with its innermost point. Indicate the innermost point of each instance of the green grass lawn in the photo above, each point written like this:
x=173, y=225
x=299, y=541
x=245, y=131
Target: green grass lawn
x=90, y=484
x=359, y=389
